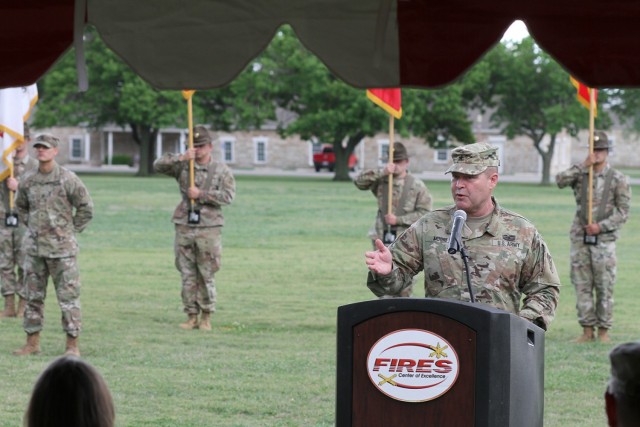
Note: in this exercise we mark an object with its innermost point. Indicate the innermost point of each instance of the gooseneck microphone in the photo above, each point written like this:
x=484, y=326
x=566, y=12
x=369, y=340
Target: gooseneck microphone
x=455, y=239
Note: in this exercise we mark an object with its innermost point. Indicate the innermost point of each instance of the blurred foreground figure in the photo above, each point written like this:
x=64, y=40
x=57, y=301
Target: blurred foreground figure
x=622, y=397
x=70, y=393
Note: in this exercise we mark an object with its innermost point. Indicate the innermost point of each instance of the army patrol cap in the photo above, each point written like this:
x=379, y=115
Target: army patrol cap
x=601, y=141
x=201, y=136
x=473, y=159
x=46, y=140
x=625, y=369
x=399, y=152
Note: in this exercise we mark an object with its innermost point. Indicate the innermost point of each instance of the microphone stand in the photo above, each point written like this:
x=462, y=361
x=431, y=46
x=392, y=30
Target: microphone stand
x=464, y=256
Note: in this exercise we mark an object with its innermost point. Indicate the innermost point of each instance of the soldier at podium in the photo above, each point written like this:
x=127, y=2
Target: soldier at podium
x=510, y=266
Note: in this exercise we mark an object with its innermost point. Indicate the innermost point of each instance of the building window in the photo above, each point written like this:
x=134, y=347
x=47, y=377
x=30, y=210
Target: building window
x=228, y=151
x=383, y=152
x=441, y=155
x=260, y=150
x=76, y=148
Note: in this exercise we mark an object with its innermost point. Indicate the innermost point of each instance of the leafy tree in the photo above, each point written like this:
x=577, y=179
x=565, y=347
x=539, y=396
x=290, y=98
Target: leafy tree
x=532, y=96
x=115, y=95
x=626, y=104
x=328, y=110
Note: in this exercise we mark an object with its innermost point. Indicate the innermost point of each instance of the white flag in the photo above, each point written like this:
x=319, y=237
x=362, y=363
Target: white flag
x=16, y=104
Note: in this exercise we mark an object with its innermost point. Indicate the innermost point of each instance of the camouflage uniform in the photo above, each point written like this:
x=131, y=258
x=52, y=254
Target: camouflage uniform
x=507, y=259
x=11, y=249
x=55, y=206
x=593, y=267
x=416, y=203
x=510, y=266
x=198, y=247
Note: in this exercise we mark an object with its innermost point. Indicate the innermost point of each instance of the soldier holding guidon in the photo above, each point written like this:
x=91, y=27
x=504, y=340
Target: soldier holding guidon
x=593, y=244
x=11, y=235
x=198, y=223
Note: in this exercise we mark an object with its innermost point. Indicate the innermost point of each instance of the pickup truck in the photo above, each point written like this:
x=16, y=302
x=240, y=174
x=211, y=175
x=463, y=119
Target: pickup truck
x=327, y=159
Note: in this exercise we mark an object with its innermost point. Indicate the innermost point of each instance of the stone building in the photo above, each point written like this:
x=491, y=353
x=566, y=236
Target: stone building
x=265, y=149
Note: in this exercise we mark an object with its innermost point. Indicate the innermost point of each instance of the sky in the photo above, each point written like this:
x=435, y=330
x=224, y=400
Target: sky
x=516, y=32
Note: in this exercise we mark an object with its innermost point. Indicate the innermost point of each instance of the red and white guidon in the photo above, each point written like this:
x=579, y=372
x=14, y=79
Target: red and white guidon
x=413, y=365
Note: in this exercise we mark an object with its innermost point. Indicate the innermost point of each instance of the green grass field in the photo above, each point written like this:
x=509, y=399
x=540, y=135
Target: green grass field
x=293, y=252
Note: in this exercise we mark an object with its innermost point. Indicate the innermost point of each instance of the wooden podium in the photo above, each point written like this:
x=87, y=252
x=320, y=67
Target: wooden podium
x=436, y=362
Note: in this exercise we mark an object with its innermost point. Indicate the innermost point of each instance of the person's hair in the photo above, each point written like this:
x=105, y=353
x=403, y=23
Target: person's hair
x=490, y=170
x=70, y=392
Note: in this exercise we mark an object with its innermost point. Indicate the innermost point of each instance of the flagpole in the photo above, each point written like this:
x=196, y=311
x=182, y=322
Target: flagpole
x=11, y=193
x=391, y=137
x=592, y=107
x=190, y=120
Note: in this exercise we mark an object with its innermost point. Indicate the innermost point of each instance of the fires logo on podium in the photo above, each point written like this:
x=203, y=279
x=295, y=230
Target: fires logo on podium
x=413, y=365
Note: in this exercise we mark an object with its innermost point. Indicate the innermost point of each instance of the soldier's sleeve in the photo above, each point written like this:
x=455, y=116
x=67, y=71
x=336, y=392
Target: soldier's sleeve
x=422, y=206
x=368, y=180
x=223, y=193
x=82, y=202
x=540, y=284
x=168, y=164
x=622, y=204
x=405, y=266
x=569, y=176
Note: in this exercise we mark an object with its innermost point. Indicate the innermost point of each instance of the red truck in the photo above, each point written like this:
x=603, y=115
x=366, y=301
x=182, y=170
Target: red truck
x=327, y=159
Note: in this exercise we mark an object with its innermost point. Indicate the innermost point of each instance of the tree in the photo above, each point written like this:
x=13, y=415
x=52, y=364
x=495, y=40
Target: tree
x=532, y=96
x=328, y=110
x=626, y=104
x=115, y=95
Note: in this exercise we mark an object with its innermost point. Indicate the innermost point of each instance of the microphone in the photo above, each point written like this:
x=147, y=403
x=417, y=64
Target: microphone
x=455, y=239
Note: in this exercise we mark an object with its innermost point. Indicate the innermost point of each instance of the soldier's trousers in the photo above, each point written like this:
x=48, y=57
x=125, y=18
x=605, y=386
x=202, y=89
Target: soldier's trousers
x=66, y=281
x=593, y=274
x=11, y=260
x=197, y=256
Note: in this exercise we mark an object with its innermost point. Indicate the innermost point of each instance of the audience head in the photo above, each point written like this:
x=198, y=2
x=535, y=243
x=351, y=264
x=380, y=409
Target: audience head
x=70, y=392
x=622, y=397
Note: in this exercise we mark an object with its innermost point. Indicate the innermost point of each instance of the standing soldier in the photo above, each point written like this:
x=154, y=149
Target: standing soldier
x=410, y=198
x=56, y=205
x=11, y=249
x=593, y=245
x=198, y=222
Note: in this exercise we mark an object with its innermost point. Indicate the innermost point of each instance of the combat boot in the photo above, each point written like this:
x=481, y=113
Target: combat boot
x=9, y=306
x=72, y=347
x=587, y=335
x=22, y=304
x=191, y=323
x=205, y=321
x=31, y=347
x=603, y=335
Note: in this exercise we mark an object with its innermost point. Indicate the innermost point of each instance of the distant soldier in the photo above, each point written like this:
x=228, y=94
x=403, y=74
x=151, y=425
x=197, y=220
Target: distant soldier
x=510, y=266
x=410, y=198
x=11, y=249
x=56, y=205
x=198, y=239
x=593, y=245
